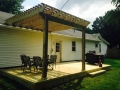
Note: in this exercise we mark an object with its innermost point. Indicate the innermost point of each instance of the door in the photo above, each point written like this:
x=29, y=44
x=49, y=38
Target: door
x=58, y=51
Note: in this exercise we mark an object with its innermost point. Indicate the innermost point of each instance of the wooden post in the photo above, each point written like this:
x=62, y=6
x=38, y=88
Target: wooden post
x=83, y=49
x=45, y=48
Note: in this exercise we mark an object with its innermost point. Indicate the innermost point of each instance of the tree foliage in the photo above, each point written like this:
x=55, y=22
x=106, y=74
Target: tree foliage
x=113, y=17
x=109, y=26
x=116, y=3
x=108, y=31
x=88, y=30
x=11, y=6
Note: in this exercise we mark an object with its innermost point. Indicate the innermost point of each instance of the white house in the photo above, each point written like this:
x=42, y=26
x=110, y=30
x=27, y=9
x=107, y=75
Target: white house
x=66, y=44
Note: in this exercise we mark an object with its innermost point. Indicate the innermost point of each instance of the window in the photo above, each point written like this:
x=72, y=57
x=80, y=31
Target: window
x=73, y=46
x=57, y=47
x=96, y=45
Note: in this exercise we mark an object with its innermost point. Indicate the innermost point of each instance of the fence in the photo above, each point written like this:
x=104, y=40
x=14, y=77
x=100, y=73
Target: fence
x=113, y=53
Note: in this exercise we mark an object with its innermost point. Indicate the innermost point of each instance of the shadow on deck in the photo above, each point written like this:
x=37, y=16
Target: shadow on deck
x=63, y=73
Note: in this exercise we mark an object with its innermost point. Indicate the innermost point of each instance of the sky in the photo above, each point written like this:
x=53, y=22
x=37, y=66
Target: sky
x=86, y=9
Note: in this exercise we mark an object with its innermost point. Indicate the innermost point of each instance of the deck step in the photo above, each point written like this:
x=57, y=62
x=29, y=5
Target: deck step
x=93, y=74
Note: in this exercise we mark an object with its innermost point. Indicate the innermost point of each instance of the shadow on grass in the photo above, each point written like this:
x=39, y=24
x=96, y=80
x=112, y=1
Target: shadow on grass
x=73, y=85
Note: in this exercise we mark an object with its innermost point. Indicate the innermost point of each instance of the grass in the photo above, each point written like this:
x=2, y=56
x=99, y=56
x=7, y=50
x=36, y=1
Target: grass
x=108, y=81
x=8, y=84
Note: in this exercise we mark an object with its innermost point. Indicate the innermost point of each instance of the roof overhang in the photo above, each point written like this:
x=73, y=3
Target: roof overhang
x=57, y=20
x=102, y=39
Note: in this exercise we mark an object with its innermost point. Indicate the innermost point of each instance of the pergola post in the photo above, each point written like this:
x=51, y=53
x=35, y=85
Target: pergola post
x=83, y=49
x=45, y=47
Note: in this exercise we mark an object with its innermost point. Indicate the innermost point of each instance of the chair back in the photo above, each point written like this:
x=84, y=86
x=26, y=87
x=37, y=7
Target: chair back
x=37, y=61
x=25, y=60
x=22, y=59
x=53, y=58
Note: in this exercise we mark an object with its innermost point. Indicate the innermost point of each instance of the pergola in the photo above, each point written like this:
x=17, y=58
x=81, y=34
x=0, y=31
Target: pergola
x=49, y=19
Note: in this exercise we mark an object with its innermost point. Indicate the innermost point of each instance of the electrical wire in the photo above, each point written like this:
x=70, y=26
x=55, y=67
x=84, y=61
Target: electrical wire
x=64, y=4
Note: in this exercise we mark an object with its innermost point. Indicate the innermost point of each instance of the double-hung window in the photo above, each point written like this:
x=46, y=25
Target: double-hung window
x=73, y=46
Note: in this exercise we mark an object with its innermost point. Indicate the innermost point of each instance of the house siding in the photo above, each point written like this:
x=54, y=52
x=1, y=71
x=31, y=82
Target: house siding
x=103, y=48
x=13, y=43
x=16, y=41
x=66, y=47
x=90, y=46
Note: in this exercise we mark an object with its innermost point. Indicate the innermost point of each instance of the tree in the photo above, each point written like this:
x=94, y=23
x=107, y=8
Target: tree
x=113, y=16
x=11, y=6
x=88, y=30
x=108, y=31
x=116, y=3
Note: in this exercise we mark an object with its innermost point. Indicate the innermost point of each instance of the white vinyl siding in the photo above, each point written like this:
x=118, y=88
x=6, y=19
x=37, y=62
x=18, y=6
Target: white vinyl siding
x=13, y=43
x=66, y=53
x=90, y=46
x=103, y=48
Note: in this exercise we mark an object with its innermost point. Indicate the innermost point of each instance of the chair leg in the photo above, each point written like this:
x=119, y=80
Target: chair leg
x=55, y=64
x=34, y=68
x=52, y=66
x=23, y=68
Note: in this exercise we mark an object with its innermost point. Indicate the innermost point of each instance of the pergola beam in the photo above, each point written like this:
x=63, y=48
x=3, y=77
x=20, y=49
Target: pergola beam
x=61, y=21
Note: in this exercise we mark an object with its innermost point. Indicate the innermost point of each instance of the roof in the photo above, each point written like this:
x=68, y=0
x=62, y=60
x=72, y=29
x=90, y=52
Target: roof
x=58, y=20
x=76, y=34
x=4, y=16
x=100, y=37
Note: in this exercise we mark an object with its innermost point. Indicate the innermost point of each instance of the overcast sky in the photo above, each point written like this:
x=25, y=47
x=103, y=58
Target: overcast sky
x=86, y=9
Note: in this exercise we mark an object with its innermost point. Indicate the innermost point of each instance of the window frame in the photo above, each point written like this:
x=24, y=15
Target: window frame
x=73, y=46
x=57, y=47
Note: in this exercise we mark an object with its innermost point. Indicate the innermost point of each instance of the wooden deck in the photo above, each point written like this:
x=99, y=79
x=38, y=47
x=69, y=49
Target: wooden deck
x=64, y=72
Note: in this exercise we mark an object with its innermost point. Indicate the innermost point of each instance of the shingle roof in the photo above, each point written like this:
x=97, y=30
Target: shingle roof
x=77, y=34
x=4, y=16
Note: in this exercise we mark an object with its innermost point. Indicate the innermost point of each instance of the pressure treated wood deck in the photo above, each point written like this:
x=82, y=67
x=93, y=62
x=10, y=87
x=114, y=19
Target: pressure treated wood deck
x=64, y=72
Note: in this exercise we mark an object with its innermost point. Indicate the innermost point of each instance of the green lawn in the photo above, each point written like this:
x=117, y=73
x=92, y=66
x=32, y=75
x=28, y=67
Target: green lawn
x=108, y=81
